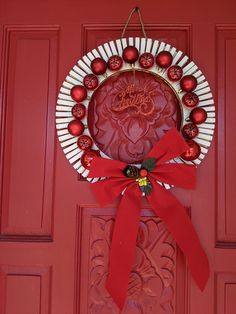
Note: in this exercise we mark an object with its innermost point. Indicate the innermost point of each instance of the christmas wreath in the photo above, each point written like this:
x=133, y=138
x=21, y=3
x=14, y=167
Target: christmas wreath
x=142, y=86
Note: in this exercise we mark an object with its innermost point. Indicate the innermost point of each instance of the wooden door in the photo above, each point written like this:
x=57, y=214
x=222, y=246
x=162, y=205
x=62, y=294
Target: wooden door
x=54, y=239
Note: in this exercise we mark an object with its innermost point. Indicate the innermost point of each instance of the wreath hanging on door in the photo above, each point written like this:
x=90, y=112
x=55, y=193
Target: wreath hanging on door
x=137, y=113
x=99, y=93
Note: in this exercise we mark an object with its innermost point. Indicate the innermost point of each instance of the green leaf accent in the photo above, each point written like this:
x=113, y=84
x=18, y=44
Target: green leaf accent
x=147, y=189
x=149, y=164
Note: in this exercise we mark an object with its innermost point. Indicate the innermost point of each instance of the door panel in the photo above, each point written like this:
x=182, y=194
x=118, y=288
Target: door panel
x=96, y=34
x=225, y=291
x=152, y=286
x=28, y=95
x=226, y=51
x=25, y=290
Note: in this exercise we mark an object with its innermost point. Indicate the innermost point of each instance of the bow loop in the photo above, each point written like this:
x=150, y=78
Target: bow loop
x=180, y=175
x=170, y=146
x=110, y=168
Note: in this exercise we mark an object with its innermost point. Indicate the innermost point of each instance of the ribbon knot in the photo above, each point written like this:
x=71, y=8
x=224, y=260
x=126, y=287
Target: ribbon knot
x=163, y=203
x=142, y=181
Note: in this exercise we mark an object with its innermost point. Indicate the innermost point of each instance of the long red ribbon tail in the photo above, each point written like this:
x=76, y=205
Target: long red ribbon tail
x=124, y=244
x=180, y=226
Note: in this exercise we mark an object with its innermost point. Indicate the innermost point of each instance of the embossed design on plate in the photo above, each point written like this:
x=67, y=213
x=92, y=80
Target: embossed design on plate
x=129, y=112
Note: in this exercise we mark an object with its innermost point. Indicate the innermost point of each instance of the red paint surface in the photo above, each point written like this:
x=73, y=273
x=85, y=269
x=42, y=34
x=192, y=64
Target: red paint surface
x=51, y=226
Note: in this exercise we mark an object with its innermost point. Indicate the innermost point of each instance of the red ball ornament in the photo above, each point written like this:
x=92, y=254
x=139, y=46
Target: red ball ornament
x=143, y=172
x=75, y=127
x=90, y=81
x=174, y=73
x=114, y=63
x=164, y=59
x=192, y=152
x=198, y=115
x=98, y=66
x=78, y=93
x=188, y=83
x=78, y=111
x=88, y=156
x=190, y=130
x=130, y=54
x=190, y=100
x=146, y=60
x=84, y=142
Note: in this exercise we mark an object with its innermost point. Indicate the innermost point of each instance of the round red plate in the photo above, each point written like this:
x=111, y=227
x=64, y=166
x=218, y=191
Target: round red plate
x=129, y=112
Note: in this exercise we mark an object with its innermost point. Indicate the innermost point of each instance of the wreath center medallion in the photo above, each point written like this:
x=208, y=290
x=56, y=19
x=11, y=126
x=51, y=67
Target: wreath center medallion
x=129, y=112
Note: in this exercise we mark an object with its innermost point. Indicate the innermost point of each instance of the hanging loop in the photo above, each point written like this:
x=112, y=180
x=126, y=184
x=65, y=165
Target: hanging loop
x=135, y=10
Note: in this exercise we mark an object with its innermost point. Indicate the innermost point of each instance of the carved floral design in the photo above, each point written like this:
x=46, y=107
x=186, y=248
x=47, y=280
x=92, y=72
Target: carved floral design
x=130, y=112
x=151, y=285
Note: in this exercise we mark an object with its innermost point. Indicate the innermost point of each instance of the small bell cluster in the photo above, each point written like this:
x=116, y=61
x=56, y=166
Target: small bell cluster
x=141, y=175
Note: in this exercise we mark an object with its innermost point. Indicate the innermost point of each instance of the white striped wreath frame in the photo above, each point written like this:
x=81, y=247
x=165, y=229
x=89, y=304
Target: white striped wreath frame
x=76, y=76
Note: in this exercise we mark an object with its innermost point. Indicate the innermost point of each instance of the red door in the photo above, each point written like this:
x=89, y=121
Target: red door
x=54, y=240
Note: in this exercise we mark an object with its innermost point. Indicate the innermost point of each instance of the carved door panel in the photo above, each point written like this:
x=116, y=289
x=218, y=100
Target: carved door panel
x=55, y=239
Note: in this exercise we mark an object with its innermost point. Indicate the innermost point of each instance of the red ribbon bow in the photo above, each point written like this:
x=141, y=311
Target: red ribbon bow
x=163, y=203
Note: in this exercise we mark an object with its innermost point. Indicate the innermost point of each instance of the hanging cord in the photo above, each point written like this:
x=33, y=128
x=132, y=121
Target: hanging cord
x=135, y=10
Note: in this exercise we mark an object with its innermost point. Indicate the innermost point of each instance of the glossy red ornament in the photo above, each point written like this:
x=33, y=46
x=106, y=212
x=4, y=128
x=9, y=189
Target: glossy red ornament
x=90, y=81
x=164, y=59
x=143, y=172
x=75, y=127
x=84, y=142
x=188, y=83
x=146, y=60
x=115, y=63
x=190, y=130
x=78, y=111
x=193, y=152
x=88, y=156
x=130, y=54
x=174, y=73
x=190, y=100
x=78, y=93
x=198, y=115
x=98, y=66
